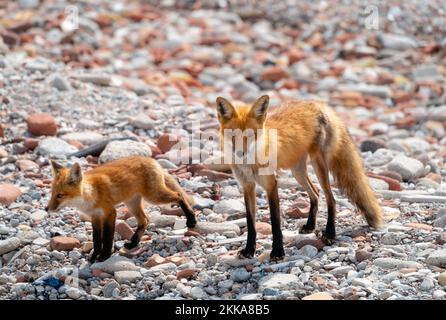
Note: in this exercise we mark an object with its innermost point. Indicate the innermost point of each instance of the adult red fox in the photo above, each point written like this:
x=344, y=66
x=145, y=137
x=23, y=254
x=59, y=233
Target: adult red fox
x=304, y=129
x=97, y=191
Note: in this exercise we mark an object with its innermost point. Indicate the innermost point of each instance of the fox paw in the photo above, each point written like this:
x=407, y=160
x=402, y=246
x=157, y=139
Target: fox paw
x=191, y=223
x=277, y=254
x=305, y=230
x=103, y=256
x=93, y=256
x=246, y=253
x=328, y=239
x=130, y=245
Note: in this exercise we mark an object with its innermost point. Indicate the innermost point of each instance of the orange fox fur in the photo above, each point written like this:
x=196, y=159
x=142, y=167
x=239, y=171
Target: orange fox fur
x=97, y=191
x=304, y=129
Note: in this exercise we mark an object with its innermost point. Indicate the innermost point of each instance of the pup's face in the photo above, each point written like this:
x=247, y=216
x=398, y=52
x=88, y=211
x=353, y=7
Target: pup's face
x=66, y=186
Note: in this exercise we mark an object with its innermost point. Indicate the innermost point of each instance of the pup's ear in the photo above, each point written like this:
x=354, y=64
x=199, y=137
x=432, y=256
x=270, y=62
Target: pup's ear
x=56, y=166
x=225, y=109
x=260, y=108
x=75, y=174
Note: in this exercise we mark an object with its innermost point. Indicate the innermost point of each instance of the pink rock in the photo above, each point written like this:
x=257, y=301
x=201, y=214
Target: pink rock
x=317, y=243
x=155, y=260
x=27, y=165
x=124, y=230
x=60, y=243
x=9, y=193
x=421, y=226
x=166, y=141
x=176, y=260
x=185, y=274
x=263, y=227
x=214, y=175
x=31, y=143
x=41, y=124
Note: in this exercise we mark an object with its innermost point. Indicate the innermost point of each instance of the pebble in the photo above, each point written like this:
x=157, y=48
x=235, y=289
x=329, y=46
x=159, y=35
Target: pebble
x=437, y=258
x=115, y=264
x=121, y=149
x=41, y=124
x=127, y=276
x=9, y=193
x=9, y=244
x=60, y=243
x=392, y=263
x=408, y=168
x=240, y=275
x=54, y=147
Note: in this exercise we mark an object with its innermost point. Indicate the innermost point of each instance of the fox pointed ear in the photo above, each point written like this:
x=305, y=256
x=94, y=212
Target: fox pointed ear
x=225, y=109
x=56, y=166
x=259, y=108
x=75, y=174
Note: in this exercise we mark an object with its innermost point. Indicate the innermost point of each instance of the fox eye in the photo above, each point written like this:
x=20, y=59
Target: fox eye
x=59, y=195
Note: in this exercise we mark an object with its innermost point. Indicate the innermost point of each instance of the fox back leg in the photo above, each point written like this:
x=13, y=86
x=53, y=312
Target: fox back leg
x=301, y=175
x=165, y=195
x=135, y=207
x=321, y=168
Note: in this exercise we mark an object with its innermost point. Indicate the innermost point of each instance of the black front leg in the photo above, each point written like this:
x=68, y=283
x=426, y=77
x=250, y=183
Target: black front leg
x=277, y=252
x=97, y=239
x=108, y=233
x=250, y=204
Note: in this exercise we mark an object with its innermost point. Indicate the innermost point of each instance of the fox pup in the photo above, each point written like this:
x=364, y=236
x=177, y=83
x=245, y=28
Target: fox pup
x=97, y=191
x=304, y=129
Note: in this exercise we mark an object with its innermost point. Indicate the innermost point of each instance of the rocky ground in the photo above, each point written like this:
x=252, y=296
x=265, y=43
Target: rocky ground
x=143, y=70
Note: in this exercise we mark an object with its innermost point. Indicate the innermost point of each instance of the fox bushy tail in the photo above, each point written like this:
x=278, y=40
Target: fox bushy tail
x=347, y=168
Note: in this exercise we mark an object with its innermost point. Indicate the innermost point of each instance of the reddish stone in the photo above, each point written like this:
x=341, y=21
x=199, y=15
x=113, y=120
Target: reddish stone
x=166, y=141
x=295, y=55
x=191, y=233
x=172, y=211
x=393, y=184
x=124, y=230
x=263, y=228
x=317, y=243
x=176, y=260
x=434, y=177
x=155, y=150
x=60, y=243
x=155, y=260
x=392, y=175
x=402, y=96
x=185, y=274
x=274, y=73
x=27, y=165
x=96, y=272
x=31, y=143
x=405, y=123
x=76, y=144
x=10, y=38
x=421, y=226
x=214, y=175
x=41, y=125
x=9, y=193
x=195, y=168
x=2, y=132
